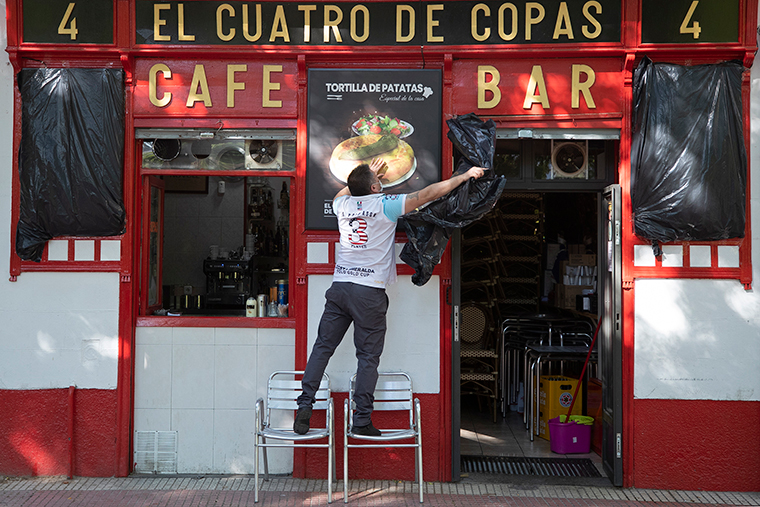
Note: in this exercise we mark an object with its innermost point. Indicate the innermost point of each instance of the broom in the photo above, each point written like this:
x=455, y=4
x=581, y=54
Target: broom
x=583, y=372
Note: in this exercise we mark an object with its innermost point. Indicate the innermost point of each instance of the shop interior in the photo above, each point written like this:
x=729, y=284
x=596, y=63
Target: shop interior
x=529, y=279
x=225, y=237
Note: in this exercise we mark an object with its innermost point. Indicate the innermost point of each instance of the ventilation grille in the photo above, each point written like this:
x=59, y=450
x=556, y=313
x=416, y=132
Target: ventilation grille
x=553, y=467
x=156, y=452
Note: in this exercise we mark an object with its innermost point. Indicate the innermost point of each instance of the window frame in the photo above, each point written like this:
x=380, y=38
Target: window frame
x=220, y=321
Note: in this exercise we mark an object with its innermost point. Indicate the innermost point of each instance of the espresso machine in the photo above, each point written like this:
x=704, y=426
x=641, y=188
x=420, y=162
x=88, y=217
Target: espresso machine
x=228, y=283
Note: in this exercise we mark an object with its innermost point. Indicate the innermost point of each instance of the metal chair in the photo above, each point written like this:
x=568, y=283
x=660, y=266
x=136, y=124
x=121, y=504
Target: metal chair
x=479, y=354
x=283, y=388
x=393, y=392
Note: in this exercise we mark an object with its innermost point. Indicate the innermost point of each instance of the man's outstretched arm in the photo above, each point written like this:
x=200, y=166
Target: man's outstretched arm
x=436, y=190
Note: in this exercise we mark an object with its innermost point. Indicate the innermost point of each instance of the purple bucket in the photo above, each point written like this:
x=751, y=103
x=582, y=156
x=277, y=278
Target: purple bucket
x=569, y=438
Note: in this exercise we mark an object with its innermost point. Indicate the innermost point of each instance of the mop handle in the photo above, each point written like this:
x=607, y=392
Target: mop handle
x=583, y=371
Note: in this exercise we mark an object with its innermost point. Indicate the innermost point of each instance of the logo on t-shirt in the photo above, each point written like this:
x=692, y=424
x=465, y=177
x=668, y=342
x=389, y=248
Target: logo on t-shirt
x=358, y=235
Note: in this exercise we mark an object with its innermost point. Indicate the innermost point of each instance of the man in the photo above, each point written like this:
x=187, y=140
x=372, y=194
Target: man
x=365, y=264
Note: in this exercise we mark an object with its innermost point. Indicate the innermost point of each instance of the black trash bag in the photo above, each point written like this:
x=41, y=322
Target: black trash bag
x=428, y=229
x=688, y=161
x=71, y=156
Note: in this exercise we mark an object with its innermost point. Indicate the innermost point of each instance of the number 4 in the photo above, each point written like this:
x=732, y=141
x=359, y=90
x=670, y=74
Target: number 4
x=694, y=28
x=72, y=29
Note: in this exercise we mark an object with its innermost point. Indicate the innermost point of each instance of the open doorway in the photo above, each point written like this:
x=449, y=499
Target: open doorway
x=536, y=273
x=528, y=274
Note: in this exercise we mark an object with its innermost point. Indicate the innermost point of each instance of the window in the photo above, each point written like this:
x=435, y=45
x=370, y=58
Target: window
x=224, y=222
x=567, y=159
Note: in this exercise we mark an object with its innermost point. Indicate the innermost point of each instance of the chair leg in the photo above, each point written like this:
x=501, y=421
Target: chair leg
x=330, y=467
x=419, y=466
x=256, y=469
x=266, y=461
x=345, y=468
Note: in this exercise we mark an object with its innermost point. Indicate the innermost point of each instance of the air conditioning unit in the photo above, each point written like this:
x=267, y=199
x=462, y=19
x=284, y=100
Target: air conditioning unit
x=263, y=154
x=569, y=159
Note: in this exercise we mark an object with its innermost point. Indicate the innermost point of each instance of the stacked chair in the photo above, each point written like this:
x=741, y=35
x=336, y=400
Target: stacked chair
x=501, y=277
x=536, y=345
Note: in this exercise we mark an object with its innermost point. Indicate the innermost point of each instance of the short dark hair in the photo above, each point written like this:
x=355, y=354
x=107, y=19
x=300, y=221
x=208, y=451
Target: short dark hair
x=360, y=180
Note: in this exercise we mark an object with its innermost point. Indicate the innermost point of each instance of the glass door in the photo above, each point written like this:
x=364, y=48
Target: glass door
x=153, y=243
x=610, y=356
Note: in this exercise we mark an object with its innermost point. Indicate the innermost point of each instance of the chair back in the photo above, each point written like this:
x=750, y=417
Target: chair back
x=476, y=331
x=284, y=387
x=392, y=392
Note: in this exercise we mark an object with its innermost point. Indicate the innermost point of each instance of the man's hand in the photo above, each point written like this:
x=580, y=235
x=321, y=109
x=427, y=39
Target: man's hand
x=436, y=190
x=379, y=167
x=475, y=172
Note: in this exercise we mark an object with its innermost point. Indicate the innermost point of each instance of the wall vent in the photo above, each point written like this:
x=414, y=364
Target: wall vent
x=156, y=452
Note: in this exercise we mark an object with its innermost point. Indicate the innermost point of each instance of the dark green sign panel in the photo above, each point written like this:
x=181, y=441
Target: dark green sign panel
x=689, y=21
x=68, y=22
x=415, y=23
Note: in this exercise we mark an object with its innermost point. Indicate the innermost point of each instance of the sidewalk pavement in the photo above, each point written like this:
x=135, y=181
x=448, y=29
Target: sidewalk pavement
x=233, y=491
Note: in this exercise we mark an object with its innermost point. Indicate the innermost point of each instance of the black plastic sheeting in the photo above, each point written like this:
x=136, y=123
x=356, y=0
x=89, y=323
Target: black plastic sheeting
x=688, y=161
x=428, y=229
x=71, y=156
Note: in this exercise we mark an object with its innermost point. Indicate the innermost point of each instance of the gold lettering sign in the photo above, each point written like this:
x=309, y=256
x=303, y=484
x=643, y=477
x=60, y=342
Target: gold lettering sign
x=474, y=22
x=354, y=24
x=587, y=14
x=153, y=87
x=401, y=12
x=158, y=22
x=199, y=81
x=232, y=85
x=268, y=86
x=246, y=25
x=280, y=26
x=513, y=14
x=584, y=88
x=432, y=23
x=563, y=25
x=536, y=84
x=530, y=19
x=224, y=8
x=485, y=86
x=181, y=25
x=307, y=10
x=332, y=23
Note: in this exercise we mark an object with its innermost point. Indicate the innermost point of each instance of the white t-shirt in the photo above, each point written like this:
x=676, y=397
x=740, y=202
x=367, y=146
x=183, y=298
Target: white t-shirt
x=367, y=227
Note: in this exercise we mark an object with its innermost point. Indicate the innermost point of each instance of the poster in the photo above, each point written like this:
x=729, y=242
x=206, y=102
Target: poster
x=391, y=114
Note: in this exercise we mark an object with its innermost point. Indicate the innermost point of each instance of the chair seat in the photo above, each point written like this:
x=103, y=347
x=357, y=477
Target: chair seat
x=387, y=435
x=292, y=435
x=478, y=376
x=478, y=353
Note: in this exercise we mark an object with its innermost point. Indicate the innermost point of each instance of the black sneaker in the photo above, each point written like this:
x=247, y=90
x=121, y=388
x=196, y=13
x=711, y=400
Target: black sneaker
x=367, y=431
x=301, y=424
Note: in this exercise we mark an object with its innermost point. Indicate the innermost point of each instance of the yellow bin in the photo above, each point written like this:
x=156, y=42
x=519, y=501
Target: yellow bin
x=554, y=399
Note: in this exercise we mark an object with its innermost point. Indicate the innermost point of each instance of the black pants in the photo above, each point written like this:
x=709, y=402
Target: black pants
x=366, y=307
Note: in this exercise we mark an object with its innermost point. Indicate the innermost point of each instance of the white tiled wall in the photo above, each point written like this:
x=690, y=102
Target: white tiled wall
x=204, y=383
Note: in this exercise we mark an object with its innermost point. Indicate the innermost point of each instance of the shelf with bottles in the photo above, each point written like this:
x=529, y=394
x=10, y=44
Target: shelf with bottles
x=263, y=201
x=267, y=217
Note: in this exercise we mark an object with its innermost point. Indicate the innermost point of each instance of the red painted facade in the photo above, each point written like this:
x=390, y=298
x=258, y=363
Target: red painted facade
x=674, y=444
x=34, y=436
x=696, y=445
